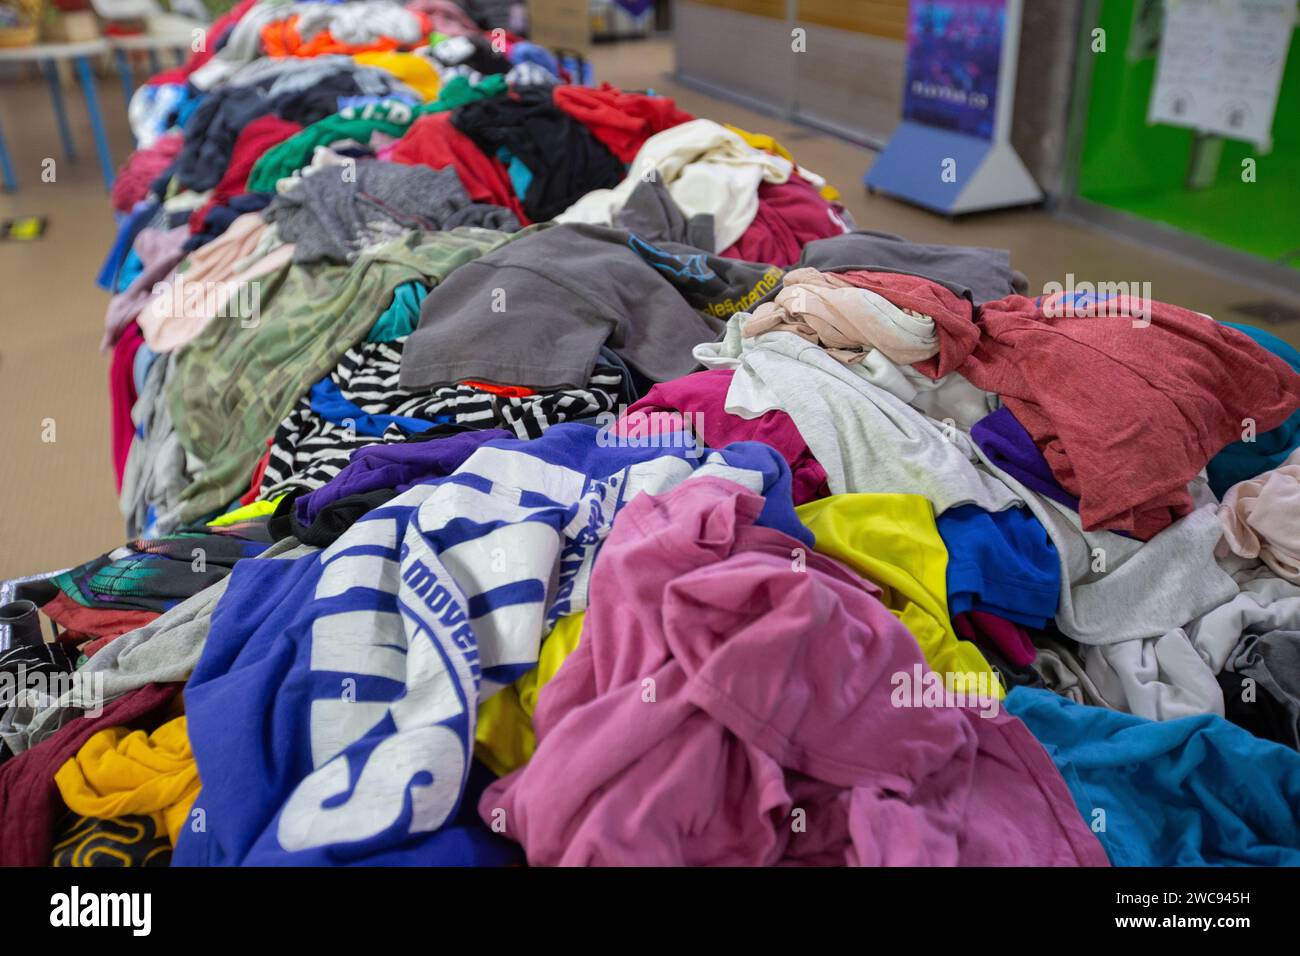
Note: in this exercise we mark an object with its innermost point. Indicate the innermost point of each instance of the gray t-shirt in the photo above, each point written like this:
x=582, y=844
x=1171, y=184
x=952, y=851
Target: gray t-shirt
x=977, y=273
x=536, y=311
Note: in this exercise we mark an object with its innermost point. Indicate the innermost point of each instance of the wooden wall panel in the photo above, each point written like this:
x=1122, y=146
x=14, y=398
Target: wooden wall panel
x=878, y=18
x=772, y=9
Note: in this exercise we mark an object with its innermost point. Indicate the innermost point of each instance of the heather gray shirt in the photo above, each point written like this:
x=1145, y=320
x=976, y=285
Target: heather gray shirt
x=336, y=211
x=536, y=311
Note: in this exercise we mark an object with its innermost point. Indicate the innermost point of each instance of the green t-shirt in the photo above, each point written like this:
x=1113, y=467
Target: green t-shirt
x=391, y=117
x=234, y=383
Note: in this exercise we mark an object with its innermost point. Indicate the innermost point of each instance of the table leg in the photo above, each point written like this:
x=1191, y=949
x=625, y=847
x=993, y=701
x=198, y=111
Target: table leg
x=123, y=60
x=154, y=65
x=96, y=118
x=6, y=166
x=51, y=72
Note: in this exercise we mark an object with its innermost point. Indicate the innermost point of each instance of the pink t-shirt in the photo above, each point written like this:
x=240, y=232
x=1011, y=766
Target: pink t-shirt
x=730, y=703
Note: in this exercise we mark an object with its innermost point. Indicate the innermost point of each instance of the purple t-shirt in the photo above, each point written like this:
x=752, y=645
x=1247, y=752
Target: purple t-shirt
x=397, y=466
x=1001, y=436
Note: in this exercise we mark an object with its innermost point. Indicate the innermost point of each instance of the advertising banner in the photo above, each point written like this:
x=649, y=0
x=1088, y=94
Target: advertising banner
x=954, y=53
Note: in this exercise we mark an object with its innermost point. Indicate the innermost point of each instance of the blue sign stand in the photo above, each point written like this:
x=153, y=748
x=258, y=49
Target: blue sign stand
x=951, y=171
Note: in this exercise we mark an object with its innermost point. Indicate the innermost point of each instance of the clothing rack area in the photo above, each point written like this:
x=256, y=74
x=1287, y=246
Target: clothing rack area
x=521, y=470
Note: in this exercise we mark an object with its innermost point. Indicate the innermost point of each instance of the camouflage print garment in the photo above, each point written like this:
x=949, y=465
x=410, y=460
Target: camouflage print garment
x=236, y=381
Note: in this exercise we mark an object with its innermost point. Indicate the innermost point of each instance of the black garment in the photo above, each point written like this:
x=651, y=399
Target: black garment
x=23, y=659
x=566, y=161
x=442, y=430
x=1272, y=662
x=321, y=99
x=21, y=663
x=1011, y=675
x=122, y=841
x=332, y=520
x=709, y=283
x=488, y=14
x=158, y=188
x=1266, y=717
x=634, y=383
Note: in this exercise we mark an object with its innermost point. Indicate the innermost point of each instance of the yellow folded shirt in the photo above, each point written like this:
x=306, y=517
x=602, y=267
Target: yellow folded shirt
x=504, y=739
x=415, y=71
x=120, y=773
x=893, y=541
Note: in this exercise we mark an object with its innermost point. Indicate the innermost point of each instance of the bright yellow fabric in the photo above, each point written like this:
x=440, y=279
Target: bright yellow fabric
x=762, y=141
x=118, y=773
x=769, y=145
x=893, y=541
x=257, y=509
x=415, y=71
x=504, y=740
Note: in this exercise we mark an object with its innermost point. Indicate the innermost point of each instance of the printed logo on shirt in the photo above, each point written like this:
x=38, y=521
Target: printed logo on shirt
x=702, y=286
x=770, y=280
x=593, y=515
x=76, y=909
x=394, y=667
x=694, y=268
x=389, y=109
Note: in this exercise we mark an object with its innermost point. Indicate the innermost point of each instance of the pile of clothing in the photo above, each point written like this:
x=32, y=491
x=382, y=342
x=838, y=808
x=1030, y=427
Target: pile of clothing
x=521, y=471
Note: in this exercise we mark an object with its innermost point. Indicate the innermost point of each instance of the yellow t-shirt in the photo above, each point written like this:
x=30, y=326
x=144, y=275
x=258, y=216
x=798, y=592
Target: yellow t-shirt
x=893, y=541
x=415, y=71
x=504, y=740
x=120, y=772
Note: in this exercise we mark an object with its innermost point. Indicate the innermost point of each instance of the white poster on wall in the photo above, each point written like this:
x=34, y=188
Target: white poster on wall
x=1220, y=66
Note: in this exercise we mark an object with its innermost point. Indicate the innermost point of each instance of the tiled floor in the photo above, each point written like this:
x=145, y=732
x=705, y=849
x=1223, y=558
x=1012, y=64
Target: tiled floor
x=58, y=505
